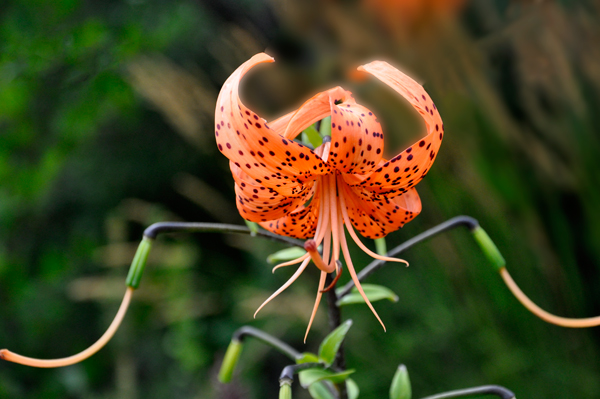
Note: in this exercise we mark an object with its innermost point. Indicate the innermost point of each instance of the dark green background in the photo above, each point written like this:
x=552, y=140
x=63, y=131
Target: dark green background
x=106, y=126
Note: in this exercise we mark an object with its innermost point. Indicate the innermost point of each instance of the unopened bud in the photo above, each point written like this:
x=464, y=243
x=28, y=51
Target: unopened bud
x=230, y=360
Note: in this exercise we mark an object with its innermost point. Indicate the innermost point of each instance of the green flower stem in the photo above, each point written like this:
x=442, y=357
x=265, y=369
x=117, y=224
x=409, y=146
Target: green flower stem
x=497, y=390
x=230, y=360
x=457, y=221
x=335, y=320
x=287, y=374
x=190, y=227
x=253, y=227
x=141, y=256
x=287, y=377
x=380, y=246
x=247, y=331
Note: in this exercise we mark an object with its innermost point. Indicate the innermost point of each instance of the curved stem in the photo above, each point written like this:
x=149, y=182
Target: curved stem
x=268, y=339
x=497, y=390
x=288, y=371
x=541, y=313
x=457, y=221
x=67, y=361
x=190, y=227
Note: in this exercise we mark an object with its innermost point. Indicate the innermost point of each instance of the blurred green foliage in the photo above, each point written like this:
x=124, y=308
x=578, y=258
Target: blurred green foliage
x=106, y=126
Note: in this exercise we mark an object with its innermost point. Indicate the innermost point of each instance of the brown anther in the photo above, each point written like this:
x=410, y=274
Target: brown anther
x=338, y=274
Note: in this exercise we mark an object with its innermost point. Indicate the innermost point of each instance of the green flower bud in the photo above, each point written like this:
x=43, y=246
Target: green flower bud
x=139, y=263
x=230, y=360
x=489, y=248
x=285, y=389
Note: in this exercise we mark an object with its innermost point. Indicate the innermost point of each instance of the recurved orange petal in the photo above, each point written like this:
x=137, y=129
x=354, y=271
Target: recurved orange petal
x=260, y=152
x=406, y=169
x=314, y=109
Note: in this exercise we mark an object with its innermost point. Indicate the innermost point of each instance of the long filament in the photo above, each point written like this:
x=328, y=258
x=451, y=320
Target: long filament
x=291, y=262
x=355, y=277
x=350, y=229
x=317, y=301
x=541, y=313
x=336, y=228
x=326, y=253
x=284, y=286
x=338, y=274
x=67, y=361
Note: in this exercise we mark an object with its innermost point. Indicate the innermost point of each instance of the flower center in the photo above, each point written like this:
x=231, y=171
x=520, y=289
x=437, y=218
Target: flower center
x=330, y=191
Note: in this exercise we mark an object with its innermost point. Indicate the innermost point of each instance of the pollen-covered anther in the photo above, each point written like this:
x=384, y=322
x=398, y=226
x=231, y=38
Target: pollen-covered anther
x=311, y=247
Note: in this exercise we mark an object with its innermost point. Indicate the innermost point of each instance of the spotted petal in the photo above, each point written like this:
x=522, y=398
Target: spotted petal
x=260, y=152
x=301, y=223
x=356, y=139
x=406, y=169
x=376, y=218
x=258, y=203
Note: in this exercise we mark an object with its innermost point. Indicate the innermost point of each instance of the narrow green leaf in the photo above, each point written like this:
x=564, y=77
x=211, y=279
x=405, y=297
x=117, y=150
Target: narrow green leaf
x=381, y=246
x=320, y=390
x=400, y=388
x=352, y=389
x=310, y=376
x=330, y=345
x=372, y=291
x=308, y=357
x=285, y=254
x=313, y=136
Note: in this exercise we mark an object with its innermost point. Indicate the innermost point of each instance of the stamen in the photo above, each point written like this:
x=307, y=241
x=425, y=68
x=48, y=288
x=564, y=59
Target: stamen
x=350, y=267
x=350, y=229
x=317, y=301
x=323, y=150
x=326, y=253
x=284, y=286
x=291, y=262
x=541, y=313
x=322, y=223
x=338, y=274
x=67, y=361
x=311, y=247
x=336, y=228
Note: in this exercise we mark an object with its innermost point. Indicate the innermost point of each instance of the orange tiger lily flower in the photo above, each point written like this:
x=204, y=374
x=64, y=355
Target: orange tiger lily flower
x=292, y=190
